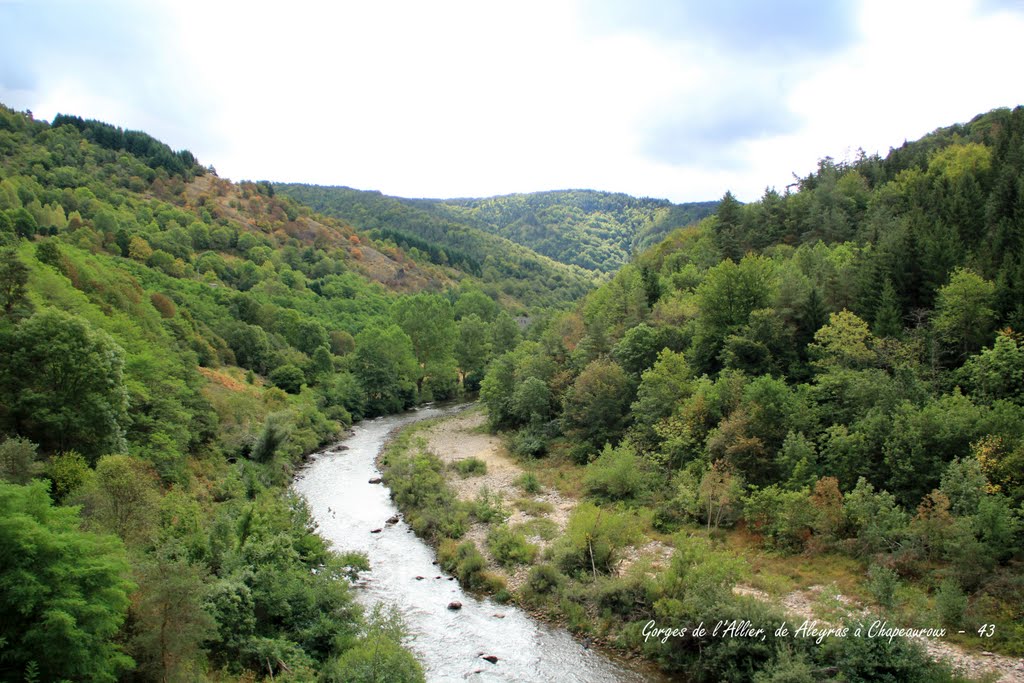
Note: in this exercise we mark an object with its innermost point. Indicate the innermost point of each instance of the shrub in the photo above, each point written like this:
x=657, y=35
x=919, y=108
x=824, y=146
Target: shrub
x=510, y=547
x=593, y=539
x=544, y=579
x=488, y=508
x=529, y=483
x=783, y=518
x=617, y=474
x=882, y=584
x=289, y=378
x=470, y=467
x=950, y=604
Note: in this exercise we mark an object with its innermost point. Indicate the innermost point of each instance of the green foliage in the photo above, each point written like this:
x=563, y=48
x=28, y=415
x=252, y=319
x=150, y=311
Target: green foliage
x=529, y=483
x=596, y=406
x=593, y=539
x=67, y=591
x=470, y=467
x=618, y=474
x=18, y=460
x=784, y=518
x=882, y=584
x=75, y=396
x=288, y=377
x=378, y=656
x=418, y=488
x=509, y=547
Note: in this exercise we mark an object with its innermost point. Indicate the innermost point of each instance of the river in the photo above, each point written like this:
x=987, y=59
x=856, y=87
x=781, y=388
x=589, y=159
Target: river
x=448, y=643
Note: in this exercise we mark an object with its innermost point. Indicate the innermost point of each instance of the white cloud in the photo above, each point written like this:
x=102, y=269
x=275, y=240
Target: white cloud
x=459, y=98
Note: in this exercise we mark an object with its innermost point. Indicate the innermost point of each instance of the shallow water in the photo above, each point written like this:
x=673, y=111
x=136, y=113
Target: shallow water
x=448, y=643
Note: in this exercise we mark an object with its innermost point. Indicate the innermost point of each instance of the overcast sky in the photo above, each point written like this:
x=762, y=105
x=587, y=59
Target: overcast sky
x=439, y=98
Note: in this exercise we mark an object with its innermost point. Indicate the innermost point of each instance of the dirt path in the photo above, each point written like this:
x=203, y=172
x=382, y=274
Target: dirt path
x=801, y=604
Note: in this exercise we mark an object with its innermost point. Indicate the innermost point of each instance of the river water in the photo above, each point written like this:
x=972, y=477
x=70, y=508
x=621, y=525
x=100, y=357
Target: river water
x=448, y=643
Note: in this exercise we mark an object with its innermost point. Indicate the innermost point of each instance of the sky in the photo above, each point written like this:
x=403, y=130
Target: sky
x=448, y=98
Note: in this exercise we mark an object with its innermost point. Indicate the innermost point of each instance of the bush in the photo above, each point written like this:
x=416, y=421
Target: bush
x=544, y=579
x=529, y=483
x=467, y=564
x=617, y=474
x=488, y=508
x=420, y=491
x=950, y=604
x=783, y=518
x=289, y=378
x=593, y=539
x=470, y=467
x=510, y=547
x=882, y=584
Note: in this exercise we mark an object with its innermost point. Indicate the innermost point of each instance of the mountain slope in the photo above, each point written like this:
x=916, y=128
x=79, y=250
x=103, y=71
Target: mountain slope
x=595, y=231
x=503, y=265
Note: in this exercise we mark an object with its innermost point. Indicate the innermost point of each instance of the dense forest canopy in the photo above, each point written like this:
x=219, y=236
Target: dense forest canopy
x=596, y=231
x=837, y=370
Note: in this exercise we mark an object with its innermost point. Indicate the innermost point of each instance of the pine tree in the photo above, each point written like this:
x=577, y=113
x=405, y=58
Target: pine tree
x=888, y=321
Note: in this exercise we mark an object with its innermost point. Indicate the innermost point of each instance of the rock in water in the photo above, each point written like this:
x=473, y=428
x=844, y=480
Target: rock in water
x=490, y=658
x=393, y=519
x=454, y=605
x=376, y=480
x=376, y=531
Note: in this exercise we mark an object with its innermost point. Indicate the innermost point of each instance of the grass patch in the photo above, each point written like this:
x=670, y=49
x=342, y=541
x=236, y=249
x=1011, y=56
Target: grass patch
x=470, y=467
x=534, y=508
x=538, y=528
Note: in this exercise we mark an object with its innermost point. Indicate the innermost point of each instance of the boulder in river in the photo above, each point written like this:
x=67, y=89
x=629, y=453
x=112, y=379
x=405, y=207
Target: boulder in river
x=376, y=480
x=342, y=448
x=454, y=605
x=376, y=531
x=393, y=519
x=490, y=658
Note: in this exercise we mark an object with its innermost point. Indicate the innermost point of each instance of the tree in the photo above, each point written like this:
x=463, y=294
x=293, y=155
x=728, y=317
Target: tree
x=727, y=228
x=24, y=223
x=844, y=343
x=998, y=372
x=726, y=298
x=471, y=349
x=288, y=377
x=65, y=592
x=169, y=622
x=888, y=316
x=475, y=302
x=122, y=497
x=386, y=367
x=428, y=321
x=13, y=280
x=964, y=313
x=596, y=406
x=18, y=460
x=504, y=334
x=662, y=387
x=74, y=396
x=251, y=346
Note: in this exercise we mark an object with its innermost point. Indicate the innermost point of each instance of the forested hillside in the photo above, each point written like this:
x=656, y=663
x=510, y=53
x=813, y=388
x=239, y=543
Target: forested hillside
x=171, y=345
x=503, y=266
x=597, y=231
x=834, y=375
